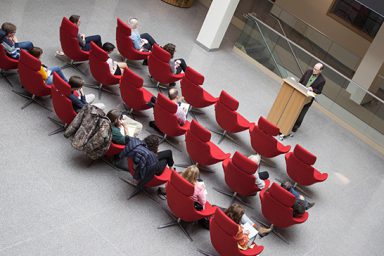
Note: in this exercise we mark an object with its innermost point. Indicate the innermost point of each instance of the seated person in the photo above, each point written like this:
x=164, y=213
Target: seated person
x=191, y=174
x=78, y=98
x=301, y=203
x=10, y=43
x=260, y=176
x=147, y=160
x=116, y=68
x=85, y=41
x=123, y=126
x=45, y=72
x=237, y=214
x=141, y=42
x=177, y=65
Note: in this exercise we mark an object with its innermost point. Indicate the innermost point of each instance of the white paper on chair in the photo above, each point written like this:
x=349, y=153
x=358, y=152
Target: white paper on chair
x=184, y=106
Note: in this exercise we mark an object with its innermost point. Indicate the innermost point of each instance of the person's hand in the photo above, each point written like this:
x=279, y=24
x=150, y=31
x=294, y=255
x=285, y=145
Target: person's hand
x=82, y=36
x=310, y=89
x=144, y=41
x=81, y=92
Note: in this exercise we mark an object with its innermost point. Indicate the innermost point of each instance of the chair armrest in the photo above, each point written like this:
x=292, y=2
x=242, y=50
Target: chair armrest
x=209, y=210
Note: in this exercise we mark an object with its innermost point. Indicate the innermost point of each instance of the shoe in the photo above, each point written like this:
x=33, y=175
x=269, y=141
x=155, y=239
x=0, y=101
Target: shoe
x=145, y=62
x=292, y=134
x=310, y=205
x=281, y=137
x=60, y=53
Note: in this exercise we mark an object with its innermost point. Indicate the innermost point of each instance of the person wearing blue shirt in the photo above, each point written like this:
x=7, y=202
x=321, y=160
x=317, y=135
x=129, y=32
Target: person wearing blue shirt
x=141, y=42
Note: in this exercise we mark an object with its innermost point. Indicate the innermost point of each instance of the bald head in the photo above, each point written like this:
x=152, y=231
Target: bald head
x=318, y=68
x=173, y=93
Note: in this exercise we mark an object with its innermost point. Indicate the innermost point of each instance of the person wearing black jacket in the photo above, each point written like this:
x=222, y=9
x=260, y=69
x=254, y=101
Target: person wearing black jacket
x=314, y=80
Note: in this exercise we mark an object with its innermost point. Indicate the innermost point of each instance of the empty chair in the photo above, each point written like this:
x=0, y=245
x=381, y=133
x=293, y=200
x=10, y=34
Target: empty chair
x=192, y=91
x=100, y=69
x=276, y=206
x=228, y=118
x=159, y=69
x=165, y=118
x=299, y=167
x=70, y=44
x=62, y=105
x=239, y=174
x=134, y=95
x=179, y=193
x=263, y=140
x=222, y=232
x=31, y=79
x=200, y=149
x=125, y=45
x=6, y=64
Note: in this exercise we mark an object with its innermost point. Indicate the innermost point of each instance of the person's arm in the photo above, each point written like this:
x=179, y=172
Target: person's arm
x=242, y=239
x=117, y=136
x=111, y=65
x=76, y=102
x=81, y=39
x=201, y=193
x=319, y=87
x=172, y=66
x=303, y=77
x=136, y=40
x=43, y=73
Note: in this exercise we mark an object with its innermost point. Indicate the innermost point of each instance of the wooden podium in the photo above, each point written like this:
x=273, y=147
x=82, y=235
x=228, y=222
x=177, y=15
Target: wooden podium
x=288, y=105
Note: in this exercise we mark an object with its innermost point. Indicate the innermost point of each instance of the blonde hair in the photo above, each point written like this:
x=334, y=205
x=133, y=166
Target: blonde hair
x=133, y=22
x=191, y=174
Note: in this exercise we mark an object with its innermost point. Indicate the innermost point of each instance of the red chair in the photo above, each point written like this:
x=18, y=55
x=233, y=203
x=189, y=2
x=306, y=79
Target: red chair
x=6, y=64
x=299, y=167
x=192, y=91
x=159, y=69
x=100, y=70
x=179, y=193
x=134, y=95
x=200, y=149
x=228, y=118
x=70, y=45
x=222, y=232
x=276, y=206
x=124, y=43
x=62, y=105
x=263, y=141
x=239, y=174
x=31, y=79
x=165, y=118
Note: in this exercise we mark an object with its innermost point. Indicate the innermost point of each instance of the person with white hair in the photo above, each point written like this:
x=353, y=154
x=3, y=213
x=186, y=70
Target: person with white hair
x=141, y=42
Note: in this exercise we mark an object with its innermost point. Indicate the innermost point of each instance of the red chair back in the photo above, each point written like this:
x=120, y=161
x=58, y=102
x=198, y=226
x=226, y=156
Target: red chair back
x=200, y=148
x=62, y=105
x=299, y=167
x=223, y=231
x=114, y=149
x=70, y=43
x=132, y=91
x=227, y=116
x=276, y=206
x=30, y=77
x=158, y=66
x=124, y=43
x=165, y=118
x=99, y=66
x=6, y=62
x=263, y=141
x=192, y=91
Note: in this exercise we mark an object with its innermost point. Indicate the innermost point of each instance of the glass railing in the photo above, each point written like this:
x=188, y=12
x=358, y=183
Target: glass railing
x=346, y=99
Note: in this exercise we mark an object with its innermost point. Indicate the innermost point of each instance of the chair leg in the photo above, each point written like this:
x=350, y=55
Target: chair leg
x=32, y=99
x=268, y=162
x=5, y=76
x=233, y=196
x=274, y=231
x=58, y=130
x=205, y=252
x=175, y=223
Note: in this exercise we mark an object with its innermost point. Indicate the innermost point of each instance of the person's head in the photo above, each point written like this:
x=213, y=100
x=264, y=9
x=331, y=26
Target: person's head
x=171, y=48
x=173, y=93
x=191, y=174
x=75, y=19
x=8, y=28
x=133, y=23
x=235, y=212
x=152, y=142
x=298, y=209
x=318, y=68
x=286, y=185
x=108, y=47
x=36, y=52
x=75, y=82
x=115, y=116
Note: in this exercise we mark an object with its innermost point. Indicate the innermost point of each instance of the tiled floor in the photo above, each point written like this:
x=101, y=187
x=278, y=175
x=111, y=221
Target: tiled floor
x=51, y=203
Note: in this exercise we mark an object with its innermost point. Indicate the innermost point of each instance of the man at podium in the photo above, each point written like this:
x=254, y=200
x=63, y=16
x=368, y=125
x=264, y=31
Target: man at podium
x=314, y=80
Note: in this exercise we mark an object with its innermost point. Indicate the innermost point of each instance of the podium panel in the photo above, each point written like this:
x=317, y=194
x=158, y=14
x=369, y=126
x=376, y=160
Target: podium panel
x=288, y=104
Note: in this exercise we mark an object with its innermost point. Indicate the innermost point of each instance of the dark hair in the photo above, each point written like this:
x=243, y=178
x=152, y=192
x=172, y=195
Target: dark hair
x=152, y=142
x=76, y=82
x=8, y=28
x=235, y=212
x=36, y=52
x=108, y=47
x=114, y=115
x=74, y=18
x=298, y=209
x=286, y=185
x=170, y=48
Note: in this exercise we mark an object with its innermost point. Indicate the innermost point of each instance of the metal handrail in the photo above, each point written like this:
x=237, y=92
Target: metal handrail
x=256, y=20
x=290, y=46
